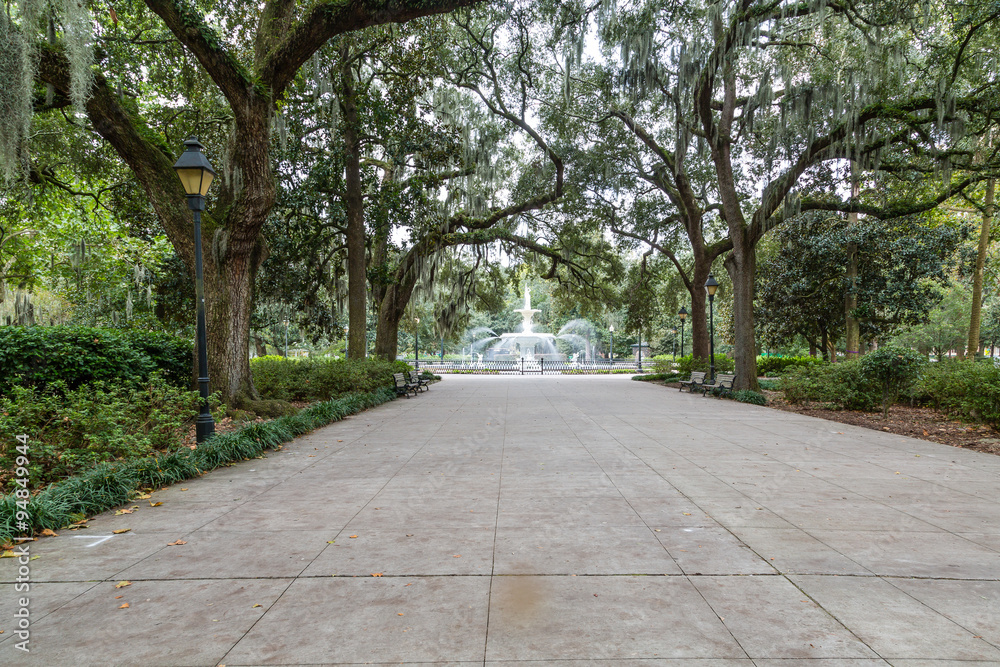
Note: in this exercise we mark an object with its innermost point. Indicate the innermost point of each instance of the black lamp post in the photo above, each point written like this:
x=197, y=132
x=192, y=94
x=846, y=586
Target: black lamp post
x=682, y=313
x=416, y=342
x=611, y=330
x=346, y=329
x=711, y=286
x=286, y=338
x=196, y=174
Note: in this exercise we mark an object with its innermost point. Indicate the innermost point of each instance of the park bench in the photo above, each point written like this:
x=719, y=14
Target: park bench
x=420, y=382
x=697, y=379
x=723, y=385
x=404, y=386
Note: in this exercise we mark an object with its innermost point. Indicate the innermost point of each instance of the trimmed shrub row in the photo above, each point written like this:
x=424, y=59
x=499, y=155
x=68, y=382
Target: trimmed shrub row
x=684, y=365
x=320, y=378
x=962, y=389
x=770, y=366
x=110, y=484
x=41, y=356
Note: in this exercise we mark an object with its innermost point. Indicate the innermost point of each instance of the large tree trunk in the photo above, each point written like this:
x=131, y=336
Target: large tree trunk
x=357, y=284
x=852, y=336
x=699, y=309
x=741, y=264
x=229, y=303
x=975, y=321
x=390, y=313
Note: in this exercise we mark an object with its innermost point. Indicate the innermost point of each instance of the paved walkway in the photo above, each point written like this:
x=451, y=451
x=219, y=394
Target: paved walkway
x=542, y=520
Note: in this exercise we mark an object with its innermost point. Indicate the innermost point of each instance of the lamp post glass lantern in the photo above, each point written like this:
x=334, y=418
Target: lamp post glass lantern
x=711, y=286
x=196, y=174
x=682, y=314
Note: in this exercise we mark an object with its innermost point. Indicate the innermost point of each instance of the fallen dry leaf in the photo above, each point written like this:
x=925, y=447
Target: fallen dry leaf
x=376, y=574
x=353, y=536
x=120, y=531
x=398, y=614
x=119, y=597
x=175, y=544
x=183, y=489
x=124, y=606
x=157, y=504
x=255, y=606
x=48, y=533
x=144, y=496
x=457, y=556
x=8, y=554
x=123, y=584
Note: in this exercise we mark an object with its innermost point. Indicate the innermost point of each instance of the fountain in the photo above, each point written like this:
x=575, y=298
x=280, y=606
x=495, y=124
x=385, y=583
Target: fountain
x=530, y=346
x=526, y=344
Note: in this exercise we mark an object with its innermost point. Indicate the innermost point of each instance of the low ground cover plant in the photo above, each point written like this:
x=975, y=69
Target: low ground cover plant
x=75, y=429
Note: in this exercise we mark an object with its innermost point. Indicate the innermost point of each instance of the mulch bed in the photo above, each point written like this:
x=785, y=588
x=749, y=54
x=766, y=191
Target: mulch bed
x=914, y=422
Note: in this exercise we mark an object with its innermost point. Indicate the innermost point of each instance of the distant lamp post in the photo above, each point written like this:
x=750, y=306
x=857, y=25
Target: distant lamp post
x=640, y=345
x=196, y=174
x=286, y=338
x=346, y=329
x=683, y=314
x=611, y=330
x=416, y=343
x=711, y=286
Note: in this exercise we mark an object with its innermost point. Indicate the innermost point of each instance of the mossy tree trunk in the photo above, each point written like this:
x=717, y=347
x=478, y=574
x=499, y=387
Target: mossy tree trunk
x=976, y=319
x=233, y=247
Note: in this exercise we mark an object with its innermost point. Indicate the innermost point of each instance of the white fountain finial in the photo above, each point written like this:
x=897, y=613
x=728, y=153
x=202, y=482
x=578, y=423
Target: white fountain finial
x=527, y=312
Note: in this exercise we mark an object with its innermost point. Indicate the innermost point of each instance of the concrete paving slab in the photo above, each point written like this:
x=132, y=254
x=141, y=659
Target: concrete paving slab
x=794, y=551
x=936, y=554
x=544, y=520
x=702, y=550
x=362, y=620
x=556, y=549
x=895, y=625
x=770, y=618
x=165, y=623
x=556, y=618
x=87, y=555
x=43, y=599
x=407, y=550
x=215, y=554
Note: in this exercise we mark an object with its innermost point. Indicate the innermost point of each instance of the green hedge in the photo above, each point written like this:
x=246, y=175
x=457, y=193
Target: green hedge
x=40, y=356
x=962, y=389
x=108, y=485
x=771, y=365
x=841, y=385
x=320, y=378
x=75, y=429
x=684, y=365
